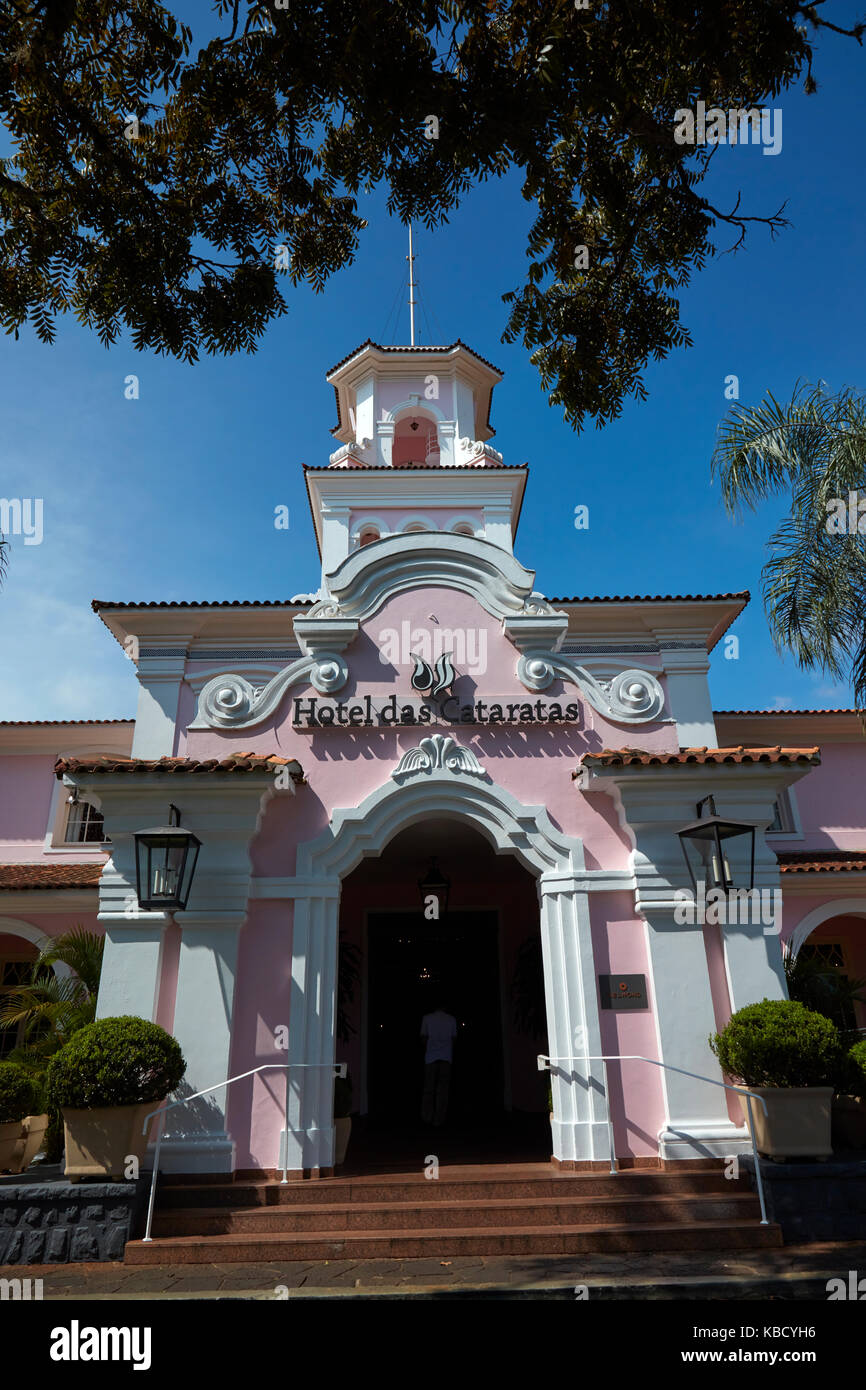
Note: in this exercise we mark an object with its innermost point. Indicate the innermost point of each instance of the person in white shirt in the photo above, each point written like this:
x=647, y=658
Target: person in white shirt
x=439, y=1028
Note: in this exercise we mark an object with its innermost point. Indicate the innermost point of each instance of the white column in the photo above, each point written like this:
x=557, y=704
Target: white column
x=335, y=538
x=160, y=675
x=698, y=1125
x=580, y=1130
x=312, y=1028
x=686, y=668
x=447, y=436
x=197, y=1140
x=384, y=443
x=497, y=527
x=132, y=960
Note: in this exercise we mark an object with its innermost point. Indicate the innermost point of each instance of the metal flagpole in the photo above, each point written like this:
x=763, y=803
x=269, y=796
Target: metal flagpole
x=411, y=259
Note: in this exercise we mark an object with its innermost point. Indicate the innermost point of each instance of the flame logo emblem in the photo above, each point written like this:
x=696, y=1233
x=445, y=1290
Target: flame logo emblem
x=433, y=680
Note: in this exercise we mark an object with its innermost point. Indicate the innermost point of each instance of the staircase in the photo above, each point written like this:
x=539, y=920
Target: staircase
x=504, y=1209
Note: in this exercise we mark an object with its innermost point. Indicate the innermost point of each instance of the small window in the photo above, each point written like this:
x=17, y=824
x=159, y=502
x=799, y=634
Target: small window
x=464, y=529
x=368, y=535
x=783, y=822
x=84, y=825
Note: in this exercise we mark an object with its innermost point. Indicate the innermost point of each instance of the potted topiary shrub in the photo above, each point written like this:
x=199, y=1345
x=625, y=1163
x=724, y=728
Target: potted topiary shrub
x=105, y=1080
x=342, y=1117
x=789, y=1056
x=849, y=1105
x=22, y=1119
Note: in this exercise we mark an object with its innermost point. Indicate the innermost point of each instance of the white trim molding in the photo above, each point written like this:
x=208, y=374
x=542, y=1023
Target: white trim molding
x=839, y=907
x=35, y=936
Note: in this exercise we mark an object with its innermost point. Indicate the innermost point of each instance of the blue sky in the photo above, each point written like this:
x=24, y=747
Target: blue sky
x=172, y=496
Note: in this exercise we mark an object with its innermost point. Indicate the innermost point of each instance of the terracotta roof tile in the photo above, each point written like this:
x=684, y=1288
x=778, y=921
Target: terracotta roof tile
x=238, y=762
x=417, y=349
x=33, y=876
x=46, y=723
x=653, y=598
x=98, y=604
x=780, y=713
x=636, y=757
x=822, y=862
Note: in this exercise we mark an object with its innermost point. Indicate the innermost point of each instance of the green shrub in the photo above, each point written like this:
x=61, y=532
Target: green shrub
x=19, y=1093
x=779, y=1043
x=115, y=1061
x=854, y=1078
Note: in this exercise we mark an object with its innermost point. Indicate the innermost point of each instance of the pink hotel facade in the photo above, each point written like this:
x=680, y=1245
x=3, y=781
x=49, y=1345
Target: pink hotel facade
x=429, y=702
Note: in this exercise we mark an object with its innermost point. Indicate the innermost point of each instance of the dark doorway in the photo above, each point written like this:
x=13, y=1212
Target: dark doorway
x=410, y=963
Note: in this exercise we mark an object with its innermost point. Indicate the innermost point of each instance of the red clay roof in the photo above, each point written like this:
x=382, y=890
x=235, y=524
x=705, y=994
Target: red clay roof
x=45, y=723
x=98, y=604
x=653, y=598
x=238, y=762
x=417, y=349
x=822, y=862
x=33, y=876
x=781, y=713
x=636, y=757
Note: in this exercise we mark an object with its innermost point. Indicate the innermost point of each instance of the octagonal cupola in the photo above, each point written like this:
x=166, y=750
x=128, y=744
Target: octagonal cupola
x=414, y=423
x=413, y=406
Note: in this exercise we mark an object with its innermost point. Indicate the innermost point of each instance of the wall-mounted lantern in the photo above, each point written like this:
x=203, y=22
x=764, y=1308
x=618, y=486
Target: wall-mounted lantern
x=434, y=888
x=165, y=860
x=703, y=842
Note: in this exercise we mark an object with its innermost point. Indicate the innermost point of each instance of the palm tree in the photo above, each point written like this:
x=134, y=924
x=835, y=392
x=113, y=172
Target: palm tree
x=53, y=1007
x=814, y=450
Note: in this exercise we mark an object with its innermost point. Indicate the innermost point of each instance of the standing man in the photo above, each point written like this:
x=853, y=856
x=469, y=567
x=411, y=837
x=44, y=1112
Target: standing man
x=439, y=1028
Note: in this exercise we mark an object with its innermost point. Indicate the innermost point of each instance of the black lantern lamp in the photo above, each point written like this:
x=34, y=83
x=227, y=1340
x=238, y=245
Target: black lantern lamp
x=703, y=843
x=434, y=884
x=165, y=860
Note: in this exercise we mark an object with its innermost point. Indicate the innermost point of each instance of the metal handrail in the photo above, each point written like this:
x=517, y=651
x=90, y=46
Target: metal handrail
x=162, y=1111
x=544, y=1064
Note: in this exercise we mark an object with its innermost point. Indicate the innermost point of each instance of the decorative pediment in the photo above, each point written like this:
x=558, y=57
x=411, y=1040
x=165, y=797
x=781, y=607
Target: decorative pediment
x=439, y=753
x=369, y=577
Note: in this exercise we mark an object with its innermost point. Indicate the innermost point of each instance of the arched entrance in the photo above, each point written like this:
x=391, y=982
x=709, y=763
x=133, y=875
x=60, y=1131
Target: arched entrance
x=832, y=937
x=440, y=781
x=478, y=956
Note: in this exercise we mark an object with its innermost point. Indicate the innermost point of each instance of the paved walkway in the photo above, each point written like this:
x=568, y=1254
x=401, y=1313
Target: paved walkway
x=793, y=1272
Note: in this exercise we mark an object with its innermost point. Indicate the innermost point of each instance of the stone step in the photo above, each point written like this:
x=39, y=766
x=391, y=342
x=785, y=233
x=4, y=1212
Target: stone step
x=452, y=1242
x=497, y=1213
x=413, y=1187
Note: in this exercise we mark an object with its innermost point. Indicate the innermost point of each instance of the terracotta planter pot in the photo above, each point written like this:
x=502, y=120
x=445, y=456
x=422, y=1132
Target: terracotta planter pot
x=99, y=1142
x=797, y=1123
x=849, y=1123
x=341, y=1140
x=20, y=1141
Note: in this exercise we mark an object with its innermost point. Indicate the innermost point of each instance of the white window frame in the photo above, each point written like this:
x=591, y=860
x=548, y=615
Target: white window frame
x=58, y=815
x=789, y=815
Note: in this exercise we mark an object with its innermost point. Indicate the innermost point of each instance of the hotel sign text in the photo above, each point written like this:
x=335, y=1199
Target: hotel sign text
x=368, y=712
